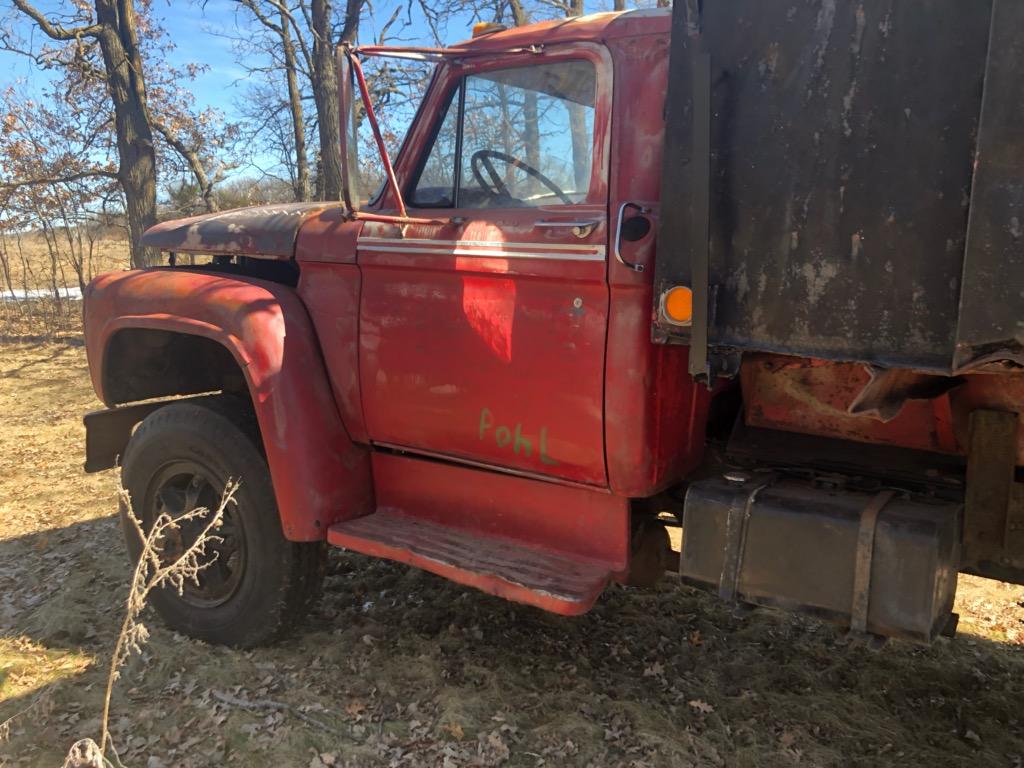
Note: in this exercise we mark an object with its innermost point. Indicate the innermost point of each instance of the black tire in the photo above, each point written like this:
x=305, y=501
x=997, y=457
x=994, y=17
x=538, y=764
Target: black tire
x=265, y=584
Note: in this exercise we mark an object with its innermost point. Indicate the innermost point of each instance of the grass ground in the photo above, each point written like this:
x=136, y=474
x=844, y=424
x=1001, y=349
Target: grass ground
x=399, y=668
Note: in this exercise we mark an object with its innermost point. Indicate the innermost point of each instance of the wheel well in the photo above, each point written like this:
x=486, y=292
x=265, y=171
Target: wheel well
x=143, y=363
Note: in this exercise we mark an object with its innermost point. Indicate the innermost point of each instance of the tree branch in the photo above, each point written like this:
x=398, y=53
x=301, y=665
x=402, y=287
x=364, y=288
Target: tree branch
x=56, y=31
x=260, y=16
x=40, y=60
x=92, y=173
x=190, y=156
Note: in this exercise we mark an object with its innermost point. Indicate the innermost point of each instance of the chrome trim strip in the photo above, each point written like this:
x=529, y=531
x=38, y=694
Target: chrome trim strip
x=396, y=241
x=479, y=254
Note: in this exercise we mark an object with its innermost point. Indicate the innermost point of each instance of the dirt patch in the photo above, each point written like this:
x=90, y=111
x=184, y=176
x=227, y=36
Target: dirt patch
x=399, y=668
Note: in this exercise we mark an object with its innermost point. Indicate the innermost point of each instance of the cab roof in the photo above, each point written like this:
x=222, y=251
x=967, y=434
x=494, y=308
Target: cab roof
x=592, y=27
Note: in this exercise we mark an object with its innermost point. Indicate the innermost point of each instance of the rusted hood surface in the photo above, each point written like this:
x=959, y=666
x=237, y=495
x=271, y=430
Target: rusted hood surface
x=268, y=231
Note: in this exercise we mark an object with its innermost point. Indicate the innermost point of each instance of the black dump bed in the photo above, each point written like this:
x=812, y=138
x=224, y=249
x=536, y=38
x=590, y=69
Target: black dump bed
x=858, y=169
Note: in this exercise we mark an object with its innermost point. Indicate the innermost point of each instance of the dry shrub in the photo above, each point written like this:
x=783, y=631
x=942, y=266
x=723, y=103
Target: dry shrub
x=40, y=319
x=151, y=573
x=43, y=275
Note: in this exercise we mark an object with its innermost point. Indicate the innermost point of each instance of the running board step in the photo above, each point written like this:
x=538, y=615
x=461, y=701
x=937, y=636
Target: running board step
x=499, y=566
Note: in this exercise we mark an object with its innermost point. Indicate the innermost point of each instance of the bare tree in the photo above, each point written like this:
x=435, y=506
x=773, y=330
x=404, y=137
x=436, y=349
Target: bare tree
x=115, y=60
x=45, y=146
x=191, y=153
x=302, y=186
x=114, y=28
x=305, y=35
x=288, y=41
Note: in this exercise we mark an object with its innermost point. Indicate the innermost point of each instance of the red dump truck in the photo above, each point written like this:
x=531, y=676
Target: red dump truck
x=754, y=268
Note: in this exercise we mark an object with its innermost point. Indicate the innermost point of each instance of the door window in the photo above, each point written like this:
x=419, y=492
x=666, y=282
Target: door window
x=436, y=185
x=514, y=138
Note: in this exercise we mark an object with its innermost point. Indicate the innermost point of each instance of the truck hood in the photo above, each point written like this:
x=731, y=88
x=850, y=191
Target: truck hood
x=265, y=231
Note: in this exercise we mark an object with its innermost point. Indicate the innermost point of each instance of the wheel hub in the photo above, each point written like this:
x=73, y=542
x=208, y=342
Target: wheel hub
x=178, y=489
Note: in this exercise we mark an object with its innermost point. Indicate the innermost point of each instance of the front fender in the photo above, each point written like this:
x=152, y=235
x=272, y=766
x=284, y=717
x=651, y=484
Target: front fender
x=320, y=476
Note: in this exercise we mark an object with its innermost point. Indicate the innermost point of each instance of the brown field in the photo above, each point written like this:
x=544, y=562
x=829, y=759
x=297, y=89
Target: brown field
x=33, y=265
x=399, y=668
x=27, y=264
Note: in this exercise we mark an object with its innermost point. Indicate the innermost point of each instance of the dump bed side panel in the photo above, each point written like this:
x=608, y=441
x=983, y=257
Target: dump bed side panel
x=991, y=320
x=843, y=138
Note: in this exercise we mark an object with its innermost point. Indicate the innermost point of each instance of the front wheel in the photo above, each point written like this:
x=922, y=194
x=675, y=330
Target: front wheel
x=255, y=584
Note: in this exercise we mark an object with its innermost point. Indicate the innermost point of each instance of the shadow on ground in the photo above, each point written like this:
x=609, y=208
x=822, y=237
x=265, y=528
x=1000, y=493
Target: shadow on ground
x=397, y=667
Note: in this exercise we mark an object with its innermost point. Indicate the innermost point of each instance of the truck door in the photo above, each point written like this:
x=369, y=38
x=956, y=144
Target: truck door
x=482, y=337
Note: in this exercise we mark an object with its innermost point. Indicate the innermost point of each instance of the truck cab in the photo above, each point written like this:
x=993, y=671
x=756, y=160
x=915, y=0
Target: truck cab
x=494, y=368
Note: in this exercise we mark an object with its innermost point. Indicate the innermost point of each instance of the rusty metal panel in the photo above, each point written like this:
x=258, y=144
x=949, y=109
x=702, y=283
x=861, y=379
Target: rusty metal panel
x=992, y=306
x=991, y=463
x=673, y=264
x=320, y=476
x=267, y=231
x=108, y=431
x=498, y=565
x=579, y=522
x=1015, y=522
x=842, y=145
x=816, y=398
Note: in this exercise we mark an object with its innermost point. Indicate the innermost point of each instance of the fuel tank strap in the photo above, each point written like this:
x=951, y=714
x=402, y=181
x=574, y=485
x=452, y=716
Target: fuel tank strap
x=736, y=541
x=865, y=554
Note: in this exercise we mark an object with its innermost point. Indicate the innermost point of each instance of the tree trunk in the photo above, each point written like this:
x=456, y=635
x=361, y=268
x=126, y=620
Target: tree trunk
x=325, y=95
x=5, y=264
x=115, y=30
x=350, y=29
x=518, y=13
x=136, y=153
x=302, y=187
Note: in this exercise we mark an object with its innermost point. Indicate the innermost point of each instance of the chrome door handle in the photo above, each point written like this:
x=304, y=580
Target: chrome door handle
x=580, y=227
x=642, y=210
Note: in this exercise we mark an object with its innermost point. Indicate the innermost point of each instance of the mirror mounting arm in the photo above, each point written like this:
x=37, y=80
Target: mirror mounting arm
x=364, y=92
x=385, y=218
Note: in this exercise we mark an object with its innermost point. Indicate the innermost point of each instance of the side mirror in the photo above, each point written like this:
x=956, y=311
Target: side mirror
x=346, y=115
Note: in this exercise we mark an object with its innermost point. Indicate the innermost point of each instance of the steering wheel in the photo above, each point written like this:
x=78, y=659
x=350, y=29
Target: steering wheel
x=497, y=188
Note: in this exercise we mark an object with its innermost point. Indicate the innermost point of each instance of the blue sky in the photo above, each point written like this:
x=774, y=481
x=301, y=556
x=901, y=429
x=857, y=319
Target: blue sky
x=187, y=24
x=194, y=30
x=200, y=33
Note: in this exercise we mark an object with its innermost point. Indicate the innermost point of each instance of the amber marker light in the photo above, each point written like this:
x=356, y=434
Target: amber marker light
x=487, y=28
x=677, y=305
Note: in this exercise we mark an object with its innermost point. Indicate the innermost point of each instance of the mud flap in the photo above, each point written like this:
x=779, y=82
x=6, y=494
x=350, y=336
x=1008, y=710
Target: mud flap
x=108, y=431
x=994, y=502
